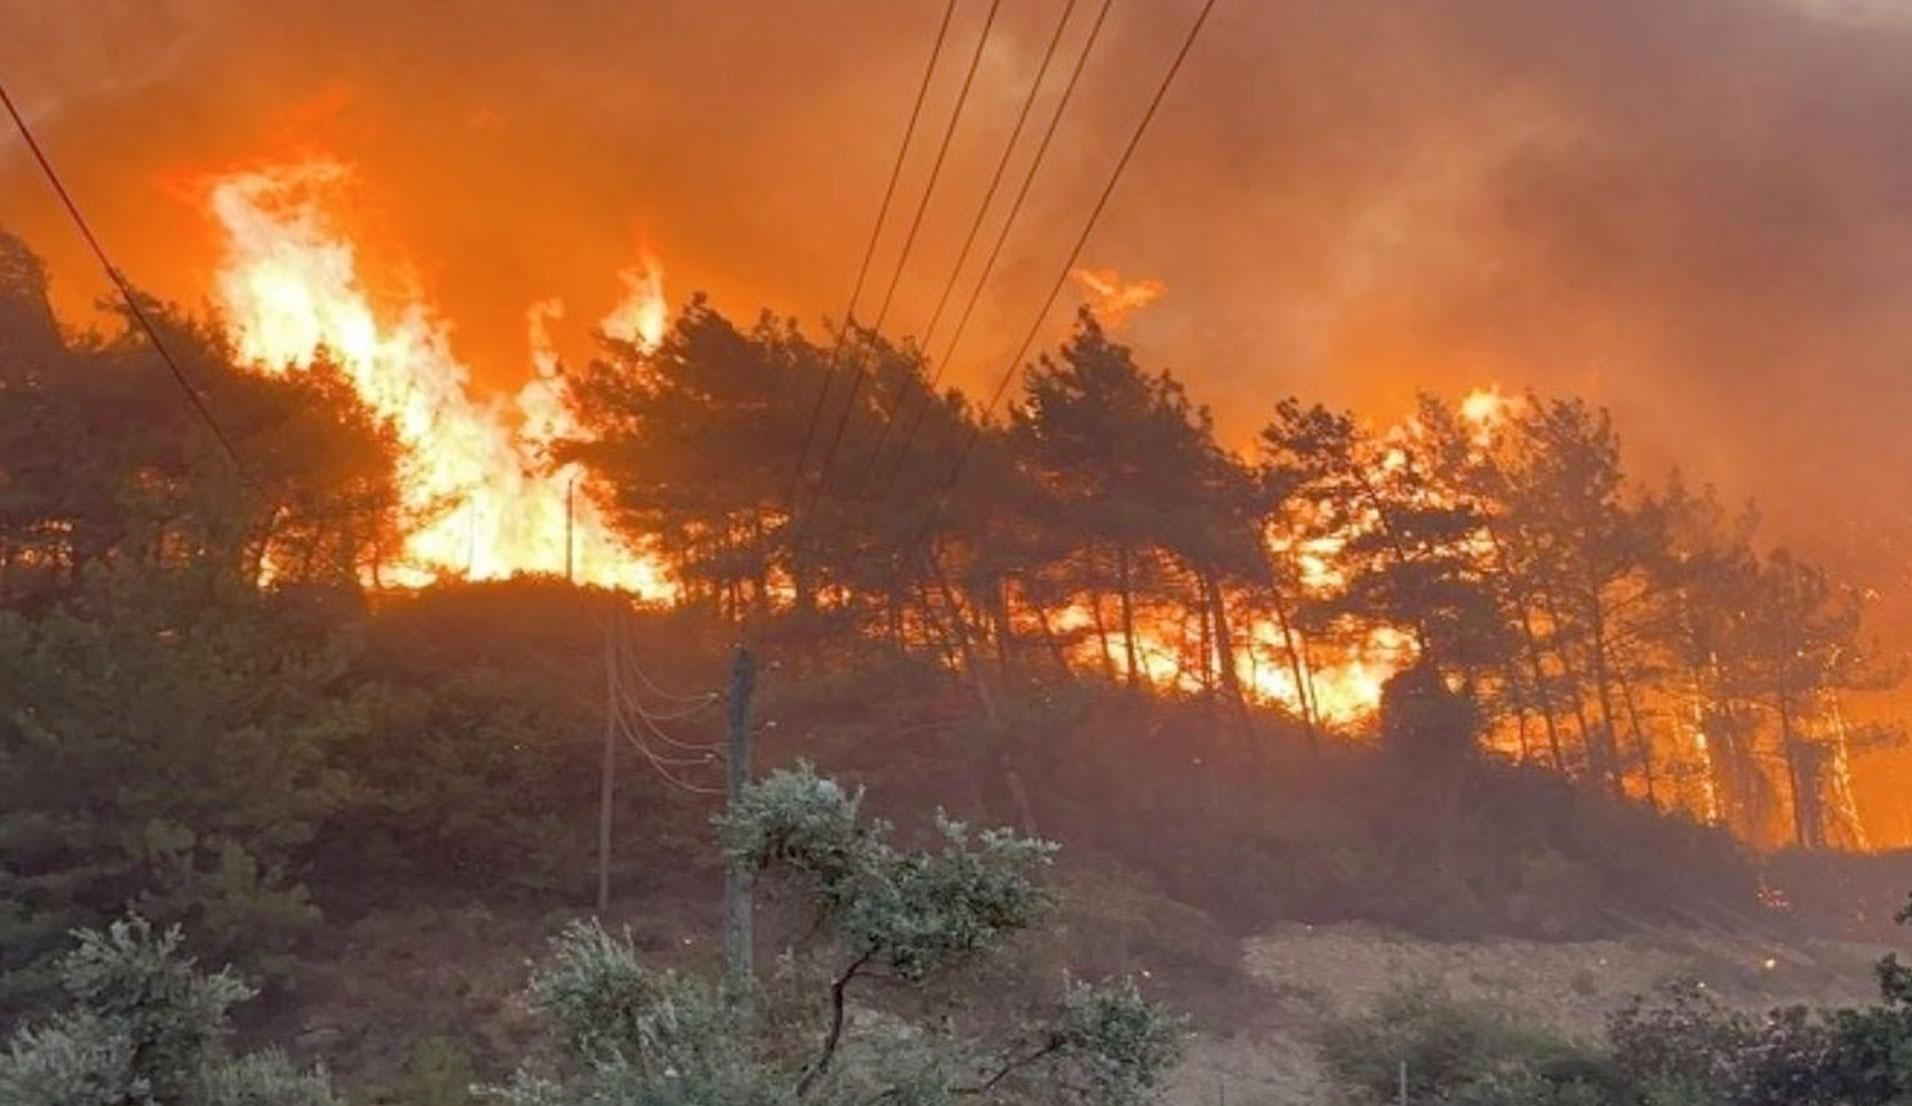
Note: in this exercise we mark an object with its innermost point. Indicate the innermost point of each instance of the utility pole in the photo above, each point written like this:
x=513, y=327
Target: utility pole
x=607, y=782
x=570, y=530
x=738, y=941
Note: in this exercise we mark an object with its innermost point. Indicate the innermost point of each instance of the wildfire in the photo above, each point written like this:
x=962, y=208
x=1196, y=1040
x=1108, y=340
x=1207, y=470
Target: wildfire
x=1488, y=408
x=1113, y=299
x=1343, y=684
x=642, y=315
x=483, y=498
x=487, y=505
x=1344, y=689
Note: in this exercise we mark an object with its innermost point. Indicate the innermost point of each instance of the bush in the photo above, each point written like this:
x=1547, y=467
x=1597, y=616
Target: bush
x=145, y=1027
x=1462, y=1054
x=624, y=1033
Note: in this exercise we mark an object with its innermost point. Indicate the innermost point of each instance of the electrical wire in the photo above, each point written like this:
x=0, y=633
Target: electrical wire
x=625, y=659
x=620, y=719
x=976, y=224
x=1068, y=265
x=1002, y=166
x=902, y=260
x=869, y=254
x=995, y=252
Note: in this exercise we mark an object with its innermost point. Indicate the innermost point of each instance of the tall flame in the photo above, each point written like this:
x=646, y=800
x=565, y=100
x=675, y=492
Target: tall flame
x=641, y=316
x=485, y=503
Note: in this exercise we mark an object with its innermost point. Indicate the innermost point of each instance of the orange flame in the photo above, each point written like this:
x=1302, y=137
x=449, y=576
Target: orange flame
x=1113, y=299
x=640, y=318
x=485, y=503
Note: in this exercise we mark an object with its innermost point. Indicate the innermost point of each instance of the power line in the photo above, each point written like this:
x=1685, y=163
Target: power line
x=620, y=716
x=1002, y=164
x=982, y=212
x=626, y=661
x=902, y=260
x=1075, y=252
x=125, y=290
x=936, y=167
x=995, y=252
x=869, y=254
x=692, y=703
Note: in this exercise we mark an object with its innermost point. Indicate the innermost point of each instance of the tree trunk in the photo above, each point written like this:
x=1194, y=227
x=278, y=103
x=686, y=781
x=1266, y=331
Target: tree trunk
x=1603, y=690
x=1805, y=833
x=1126, y=593
x=1641, y=738
x=1102, y=633
x=1300, y=670
x=1005, y=632
x=1587, y=750
x=1225, y=645
x=1049, y=638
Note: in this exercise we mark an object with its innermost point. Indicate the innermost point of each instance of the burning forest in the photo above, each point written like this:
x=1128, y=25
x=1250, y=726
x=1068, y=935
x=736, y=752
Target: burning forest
x=433, y=499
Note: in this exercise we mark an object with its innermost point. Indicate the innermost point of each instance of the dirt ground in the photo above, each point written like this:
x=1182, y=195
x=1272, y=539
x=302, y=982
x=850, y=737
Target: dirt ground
x=1317, y=973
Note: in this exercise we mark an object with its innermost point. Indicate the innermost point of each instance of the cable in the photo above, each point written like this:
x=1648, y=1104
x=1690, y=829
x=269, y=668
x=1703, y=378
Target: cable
x=663, y=769
x=995, y=252
x=125, y=290
x=680, y=713
x=1002, y=164
x=630, y=705
x=982, y=212
x=1075, y=252
x=697, y=702
x=637, y=742
x=621, y=720
x=936, y=167
x=869, y=254
x=902, y=259
x=624, y=657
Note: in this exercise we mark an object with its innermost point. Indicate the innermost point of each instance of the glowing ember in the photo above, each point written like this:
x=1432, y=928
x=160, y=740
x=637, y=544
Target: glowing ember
x=483, y=502
x=1113, y=299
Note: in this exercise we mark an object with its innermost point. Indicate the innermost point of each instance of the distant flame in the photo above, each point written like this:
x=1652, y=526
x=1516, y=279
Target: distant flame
x=485, y=503
x=1344, y=682
x=1488, y=407
x=1113, y=299
x=640, y=318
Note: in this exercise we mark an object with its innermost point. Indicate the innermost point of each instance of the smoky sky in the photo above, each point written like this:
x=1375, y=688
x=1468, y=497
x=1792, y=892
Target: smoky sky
x=1697, y=212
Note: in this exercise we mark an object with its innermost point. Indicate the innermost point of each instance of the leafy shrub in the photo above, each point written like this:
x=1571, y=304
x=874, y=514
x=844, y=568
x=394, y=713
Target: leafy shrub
x=1461, y=1054
x=439, y=1074
x=624, y=1033
x=146, y=1028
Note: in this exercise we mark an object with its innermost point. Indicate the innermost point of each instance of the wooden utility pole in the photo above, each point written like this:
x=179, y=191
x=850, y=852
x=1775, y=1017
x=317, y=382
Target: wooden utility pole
x=570, y=530
x=607, y=782
x=738, y=940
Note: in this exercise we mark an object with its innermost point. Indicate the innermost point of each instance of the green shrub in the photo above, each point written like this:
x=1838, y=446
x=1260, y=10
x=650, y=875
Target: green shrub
x=438, y=1074
x=145, y=1028
x=625, y=1033
x=1462, y=1054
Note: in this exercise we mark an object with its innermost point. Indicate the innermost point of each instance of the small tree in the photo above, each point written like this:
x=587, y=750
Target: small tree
x=627, y=1034
x=146, y=1028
